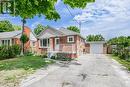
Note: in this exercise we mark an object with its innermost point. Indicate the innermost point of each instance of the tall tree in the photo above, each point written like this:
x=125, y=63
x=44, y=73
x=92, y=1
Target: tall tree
x=6, y=26
x=39, y=28
x=30, y=8
x=95, y=38
x=74, y=28
x=24, y=38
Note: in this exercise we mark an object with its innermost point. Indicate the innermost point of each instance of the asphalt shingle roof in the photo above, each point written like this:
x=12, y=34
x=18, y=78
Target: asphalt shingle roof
x=68, y=32
x=9, y=34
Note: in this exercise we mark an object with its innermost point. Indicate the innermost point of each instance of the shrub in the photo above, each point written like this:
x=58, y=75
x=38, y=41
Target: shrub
x=63, y=57
x=17, y=49
x=53, y=57
x=9, y=51
x=122, y=47
x=44, y=56
x=28, y=53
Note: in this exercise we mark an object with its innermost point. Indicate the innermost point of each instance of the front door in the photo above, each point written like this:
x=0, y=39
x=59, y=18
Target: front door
x=57, y=44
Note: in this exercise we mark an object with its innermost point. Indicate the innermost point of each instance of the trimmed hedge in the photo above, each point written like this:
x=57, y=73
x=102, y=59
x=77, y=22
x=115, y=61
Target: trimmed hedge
x=7, y=52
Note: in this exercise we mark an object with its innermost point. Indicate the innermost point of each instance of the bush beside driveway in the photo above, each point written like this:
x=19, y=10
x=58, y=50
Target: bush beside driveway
x=12, y=71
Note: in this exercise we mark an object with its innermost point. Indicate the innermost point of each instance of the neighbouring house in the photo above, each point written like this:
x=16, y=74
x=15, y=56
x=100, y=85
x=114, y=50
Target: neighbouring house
x=13, y=37
x=60, y=41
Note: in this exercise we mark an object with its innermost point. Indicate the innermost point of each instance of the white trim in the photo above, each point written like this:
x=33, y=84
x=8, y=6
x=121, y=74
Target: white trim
x=68, y=37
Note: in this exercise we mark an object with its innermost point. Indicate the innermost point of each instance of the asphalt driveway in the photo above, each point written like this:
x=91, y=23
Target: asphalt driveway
x=87, y=71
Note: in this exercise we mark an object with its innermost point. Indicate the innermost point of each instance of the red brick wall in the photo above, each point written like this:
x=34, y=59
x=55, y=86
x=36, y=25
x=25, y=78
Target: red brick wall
x=80, y=42
x=17, y=40
x=75, y=47
x=87, y=48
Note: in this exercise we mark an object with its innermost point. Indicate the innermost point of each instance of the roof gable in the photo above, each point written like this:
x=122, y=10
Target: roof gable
x=50, y=32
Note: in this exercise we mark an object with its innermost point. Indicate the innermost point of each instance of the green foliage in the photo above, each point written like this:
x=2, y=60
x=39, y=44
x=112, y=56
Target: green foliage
x=17, y=27
x=24, y=38
x=9, y=51
x=39, y=28
x=16, y=49
x=77, y=3
x=74, y=28
x=122, y=44
x=122, y=40
x=6, y=26
x=28, y=53
x=95, y=38
x=30, y=8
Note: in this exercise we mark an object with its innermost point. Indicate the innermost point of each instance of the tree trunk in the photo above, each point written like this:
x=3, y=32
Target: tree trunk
x=22, y=44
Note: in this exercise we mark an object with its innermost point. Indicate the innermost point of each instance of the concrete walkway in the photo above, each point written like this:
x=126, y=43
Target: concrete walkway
x=87, y=71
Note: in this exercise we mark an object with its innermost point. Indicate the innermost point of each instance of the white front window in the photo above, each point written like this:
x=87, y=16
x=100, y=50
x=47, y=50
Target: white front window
x=70, y=39
x=6, y=42
x=44, y=43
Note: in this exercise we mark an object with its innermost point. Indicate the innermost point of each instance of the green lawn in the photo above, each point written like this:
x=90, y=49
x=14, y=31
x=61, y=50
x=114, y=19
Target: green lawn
x=123, y=62
x=12, y=71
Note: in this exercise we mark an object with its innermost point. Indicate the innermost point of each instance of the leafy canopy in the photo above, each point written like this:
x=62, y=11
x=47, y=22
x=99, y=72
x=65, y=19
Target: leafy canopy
x=17, y=27
x=95, y=38
x=77, y=3
x=30, y=8
x=74, y=28
x=39, y=28
x=6, y=26
x=122, y=40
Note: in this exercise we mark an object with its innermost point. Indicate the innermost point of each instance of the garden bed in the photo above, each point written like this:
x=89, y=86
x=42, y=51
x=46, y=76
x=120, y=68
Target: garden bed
x=12, y=71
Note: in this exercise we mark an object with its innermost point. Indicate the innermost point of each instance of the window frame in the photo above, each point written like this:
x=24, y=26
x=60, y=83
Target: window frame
x=68, y=39
x=8, y=42
x=41, y=43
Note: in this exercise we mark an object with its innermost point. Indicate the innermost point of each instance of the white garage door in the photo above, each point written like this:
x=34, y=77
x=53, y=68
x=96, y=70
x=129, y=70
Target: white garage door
x=96, y=48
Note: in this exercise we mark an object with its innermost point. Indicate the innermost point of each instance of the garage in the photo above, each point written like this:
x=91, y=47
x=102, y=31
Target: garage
x=96, y=47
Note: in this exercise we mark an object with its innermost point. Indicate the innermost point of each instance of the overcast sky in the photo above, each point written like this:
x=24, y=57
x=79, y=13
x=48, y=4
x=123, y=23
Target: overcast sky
x=110, y=18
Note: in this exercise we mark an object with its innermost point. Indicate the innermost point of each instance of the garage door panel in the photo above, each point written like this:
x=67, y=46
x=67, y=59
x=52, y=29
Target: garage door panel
x=96, y=48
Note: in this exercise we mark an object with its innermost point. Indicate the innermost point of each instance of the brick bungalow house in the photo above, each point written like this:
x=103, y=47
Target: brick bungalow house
x=60, y=41
x=13, y=37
